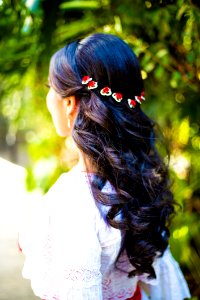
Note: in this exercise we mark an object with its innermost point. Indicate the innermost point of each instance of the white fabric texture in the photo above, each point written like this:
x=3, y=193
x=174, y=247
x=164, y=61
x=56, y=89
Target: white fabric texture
x=169, y=283
x=70, y=250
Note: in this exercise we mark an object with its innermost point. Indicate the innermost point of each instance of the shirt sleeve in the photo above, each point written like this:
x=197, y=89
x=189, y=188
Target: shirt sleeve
x=170, y=283
x=61, y=247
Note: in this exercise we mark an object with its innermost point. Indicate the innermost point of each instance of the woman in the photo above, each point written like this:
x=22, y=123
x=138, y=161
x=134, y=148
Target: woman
x=101, y=230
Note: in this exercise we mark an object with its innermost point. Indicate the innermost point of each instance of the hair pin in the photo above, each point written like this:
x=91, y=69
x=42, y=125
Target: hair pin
x=106, y=91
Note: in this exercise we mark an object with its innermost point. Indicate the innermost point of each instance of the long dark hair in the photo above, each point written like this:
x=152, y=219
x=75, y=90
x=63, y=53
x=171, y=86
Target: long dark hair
x=120, y=142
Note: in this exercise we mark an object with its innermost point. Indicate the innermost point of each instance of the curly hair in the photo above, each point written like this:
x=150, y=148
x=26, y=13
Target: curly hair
x=120, y=142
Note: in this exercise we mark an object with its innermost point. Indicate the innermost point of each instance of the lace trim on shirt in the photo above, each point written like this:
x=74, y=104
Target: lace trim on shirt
x=77, y=279
x=83, y=275
x=110, y=294
x=79, y=276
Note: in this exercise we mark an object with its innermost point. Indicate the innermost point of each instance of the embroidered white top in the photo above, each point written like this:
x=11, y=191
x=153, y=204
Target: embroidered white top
x=70, y=250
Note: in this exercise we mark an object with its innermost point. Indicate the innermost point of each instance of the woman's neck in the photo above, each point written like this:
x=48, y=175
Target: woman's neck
x=84, y=164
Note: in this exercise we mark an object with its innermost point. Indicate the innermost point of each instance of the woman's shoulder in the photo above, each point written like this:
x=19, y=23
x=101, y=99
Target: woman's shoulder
x=67, y=182
x=71, y=190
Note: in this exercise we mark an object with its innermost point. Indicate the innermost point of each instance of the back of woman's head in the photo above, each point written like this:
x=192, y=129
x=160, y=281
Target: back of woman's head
x=119, y=141
x=105, y=58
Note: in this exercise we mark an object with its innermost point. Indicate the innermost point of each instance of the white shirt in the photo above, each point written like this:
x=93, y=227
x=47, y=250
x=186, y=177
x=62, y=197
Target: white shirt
x=70, y=250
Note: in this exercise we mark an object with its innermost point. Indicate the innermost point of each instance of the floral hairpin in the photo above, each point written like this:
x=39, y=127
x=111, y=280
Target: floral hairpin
x=90, y=83
x=106, y=91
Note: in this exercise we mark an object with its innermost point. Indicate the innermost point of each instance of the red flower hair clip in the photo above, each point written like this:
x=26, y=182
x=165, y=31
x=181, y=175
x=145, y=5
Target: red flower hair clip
x=90, y=83
x=117, y=96
x=86, y=79
x=140, y=98
x=131, y=103
x=106, y=91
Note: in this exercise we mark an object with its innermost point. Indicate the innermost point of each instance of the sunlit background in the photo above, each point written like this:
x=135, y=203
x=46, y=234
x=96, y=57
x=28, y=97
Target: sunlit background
x=165, y=36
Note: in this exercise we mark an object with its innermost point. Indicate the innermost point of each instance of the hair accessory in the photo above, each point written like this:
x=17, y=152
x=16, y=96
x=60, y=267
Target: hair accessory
x=106, y=91
x=140, y=98
x=132, y=103
x=92, y=85
x=117, y=96
x=86, y=79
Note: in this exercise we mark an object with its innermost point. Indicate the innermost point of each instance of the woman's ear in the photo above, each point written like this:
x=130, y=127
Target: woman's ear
x=70, y=106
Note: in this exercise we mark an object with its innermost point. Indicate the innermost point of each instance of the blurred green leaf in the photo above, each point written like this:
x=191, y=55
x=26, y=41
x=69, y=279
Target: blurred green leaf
x=76, y=4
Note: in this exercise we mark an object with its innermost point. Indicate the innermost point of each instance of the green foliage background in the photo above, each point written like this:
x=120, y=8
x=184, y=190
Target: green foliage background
x=165, y=36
